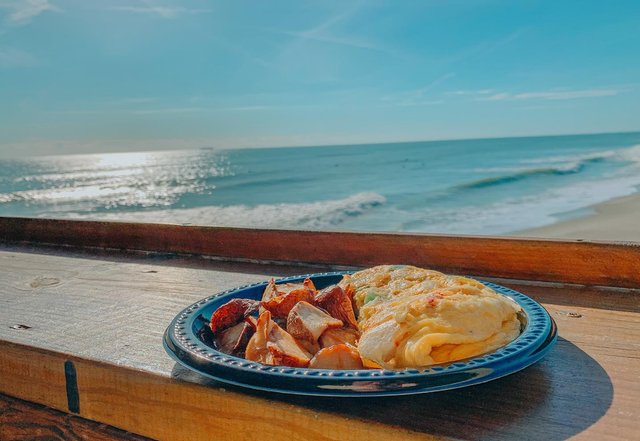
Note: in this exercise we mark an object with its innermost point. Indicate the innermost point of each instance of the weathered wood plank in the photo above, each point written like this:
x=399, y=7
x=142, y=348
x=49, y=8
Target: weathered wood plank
x=107, y=315
x=23, y=421
x=587, y=263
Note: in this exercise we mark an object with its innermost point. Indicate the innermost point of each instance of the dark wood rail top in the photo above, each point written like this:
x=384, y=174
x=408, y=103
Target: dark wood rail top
x=82, y=317
x=580, y=262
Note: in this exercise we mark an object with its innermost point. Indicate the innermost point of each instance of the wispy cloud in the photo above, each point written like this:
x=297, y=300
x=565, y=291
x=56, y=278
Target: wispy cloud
x=553, y=95
x=325, y=37
x=470, y=92
x=481, y=49
x=23, y=11
x=133, y=100
x=423, y=90
x=142, y=106
x=14, y=58
x=153, y=8
x=240, y=51
x=420, y=103
x=417, y=97
x=324, y=32
x=164, y=110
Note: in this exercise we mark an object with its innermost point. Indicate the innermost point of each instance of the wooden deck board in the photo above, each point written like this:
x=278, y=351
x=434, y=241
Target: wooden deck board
x=107, y=312
x=22, y=421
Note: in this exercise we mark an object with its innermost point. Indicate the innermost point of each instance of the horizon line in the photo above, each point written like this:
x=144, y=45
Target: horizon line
x=375, y=143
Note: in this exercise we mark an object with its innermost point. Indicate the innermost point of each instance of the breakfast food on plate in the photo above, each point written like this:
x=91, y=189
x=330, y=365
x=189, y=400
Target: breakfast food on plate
x=388, y=316
x=412, y=317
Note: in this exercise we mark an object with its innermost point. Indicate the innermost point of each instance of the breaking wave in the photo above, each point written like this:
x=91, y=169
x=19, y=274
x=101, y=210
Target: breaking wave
x=551, y=166
x=313, y=215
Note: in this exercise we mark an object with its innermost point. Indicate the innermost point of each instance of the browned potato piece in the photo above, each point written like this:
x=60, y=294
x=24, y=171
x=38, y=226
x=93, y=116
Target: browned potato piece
x=273, y=345
x=279, y=299
x=350, y=290
x=338, y=304
x=285, y=350
x=309, y=284
x=270, y=291
x=306, y=322
x=231, y=313
x=251, y=321
x=310, y=346
x=368, y=364
x=280, y=306
x=337, y=357
x=285, y=288
x=339, y=336
x=257, y=347
x=234, y=340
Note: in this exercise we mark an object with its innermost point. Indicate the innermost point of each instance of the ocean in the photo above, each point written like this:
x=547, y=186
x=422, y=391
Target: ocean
x=483, y=186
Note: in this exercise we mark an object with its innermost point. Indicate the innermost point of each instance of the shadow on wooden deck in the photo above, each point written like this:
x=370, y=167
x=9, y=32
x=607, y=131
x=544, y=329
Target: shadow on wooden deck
x=557, y=398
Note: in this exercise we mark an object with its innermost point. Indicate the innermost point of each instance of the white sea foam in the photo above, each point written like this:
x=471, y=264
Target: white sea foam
x=516, y=214
x=603, y=154
x=560, y=164
x=631, y=154
x=313, y=215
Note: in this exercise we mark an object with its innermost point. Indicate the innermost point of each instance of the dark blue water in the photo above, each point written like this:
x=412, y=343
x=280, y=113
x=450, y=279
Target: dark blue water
x=489, y=186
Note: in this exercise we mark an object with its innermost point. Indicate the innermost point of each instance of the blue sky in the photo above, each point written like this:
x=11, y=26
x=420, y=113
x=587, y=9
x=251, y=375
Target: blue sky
x=133, y=74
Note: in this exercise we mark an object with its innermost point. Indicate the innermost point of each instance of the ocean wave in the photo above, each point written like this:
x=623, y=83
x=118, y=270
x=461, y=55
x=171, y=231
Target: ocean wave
x=518, y=213
x=313, y=215
x=569, y=160
x=519, y=176
x=631, y=154
x=550, y=166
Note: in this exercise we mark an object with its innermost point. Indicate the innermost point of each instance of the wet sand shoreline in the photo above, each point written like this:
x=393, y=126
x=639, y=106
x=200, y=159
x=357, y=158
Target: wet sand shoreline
x=614, y=220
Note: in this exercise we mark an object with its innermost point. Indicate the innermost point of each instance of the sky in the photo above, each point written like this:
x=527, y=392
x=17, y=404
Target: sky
x=124, y=75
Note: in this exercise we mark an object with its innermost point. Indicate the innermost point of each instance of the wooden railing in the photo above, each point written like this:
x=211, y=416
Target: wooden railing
x=564, y=261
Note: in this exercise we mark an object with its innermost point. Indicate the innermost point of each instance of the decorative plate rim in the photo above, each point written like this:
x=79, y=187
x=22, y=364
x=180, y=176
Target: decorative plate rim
x=180, y=333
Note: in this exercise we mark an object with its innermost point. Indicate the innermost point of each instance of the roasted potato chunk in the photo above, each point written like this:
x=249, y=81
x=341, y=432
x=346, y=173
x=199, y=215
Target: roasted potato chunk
x=337, y=303
x=234, y=340
x=279, y=299
x=232, y=313
x=273, y=345
x=306, y=322
x=337, y=357
x=339, y=336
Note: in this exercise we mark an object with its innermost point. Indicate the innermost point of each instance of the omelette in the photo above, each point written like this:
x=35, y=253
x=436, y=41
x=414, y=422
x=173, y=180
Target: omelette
x=414, y=317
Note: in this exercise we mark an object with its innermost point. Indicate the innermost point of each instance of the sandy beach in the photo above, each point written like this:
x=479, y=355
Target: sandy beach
x=617, y=219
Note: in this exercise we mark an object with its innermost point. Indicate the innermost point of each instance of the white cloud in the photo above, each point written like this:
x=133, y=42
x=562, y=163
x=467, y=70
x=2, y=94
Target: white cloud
x=420, y=103
x=163, y=11
x=164, y=110
x=23, y=11
x=469, y=92
x=552, y=95
x=500, y=96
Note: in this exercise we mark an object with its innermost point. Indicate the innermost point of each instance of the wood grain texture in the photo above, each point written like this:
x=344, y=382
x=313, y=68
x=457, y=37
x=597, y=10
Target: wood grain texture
x=107, y=315
x=590, y=263
x=23, y=421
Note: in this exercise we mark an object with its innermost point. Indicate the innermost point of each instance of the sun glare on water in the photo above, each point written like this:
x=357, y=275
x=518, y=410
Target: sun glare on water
x=121, y=160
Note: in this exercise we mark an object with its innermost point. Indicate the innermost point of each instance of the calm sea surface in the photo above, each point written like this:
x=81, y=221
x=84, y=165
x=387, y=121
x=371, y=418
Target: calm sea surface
x=490, y=186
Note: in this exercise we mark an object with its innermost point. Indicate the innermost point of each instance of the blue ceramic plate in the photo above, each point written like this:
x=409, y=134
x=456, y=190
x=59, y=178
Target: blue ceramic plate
x=185, y=340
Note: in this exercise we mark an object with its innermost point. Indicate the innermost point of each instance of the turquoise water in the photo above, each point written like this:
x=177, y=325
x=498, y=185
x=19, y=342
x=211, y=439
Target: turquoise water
x=488, y=186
